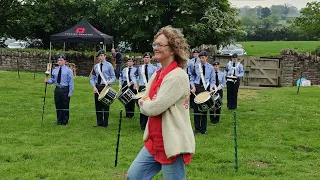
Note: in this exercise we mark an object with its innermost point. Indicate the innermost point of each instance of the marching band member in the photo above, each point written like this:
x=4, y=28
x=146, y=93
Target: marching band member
x=128, y=79
x=144, y=73
x=158, y=66
x=202, y=80
x=105, y=69
x=234, y=71
x=62, y=78
x=191, y=71
x=219, y=83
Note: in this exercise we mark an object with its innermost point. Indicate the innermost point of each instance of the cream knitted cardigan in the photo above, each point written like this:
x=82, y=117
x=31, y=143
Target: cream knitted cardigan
x=171, y=101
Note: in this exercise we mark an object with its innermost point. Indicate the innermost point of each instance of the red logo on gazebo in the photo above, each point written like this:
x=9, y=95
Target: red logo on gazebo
x=80, y=30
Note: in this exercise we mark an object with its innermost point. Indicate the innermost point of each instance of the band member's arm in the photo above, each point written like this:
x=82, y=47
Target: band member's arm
x=120, y=78
x=226, y=70
x=52, y=78
x=241, y=72
x=171, y=90
x=112, y=75
x=92, y=80
x=212, y=78
x=70, y=82
x=224, y=82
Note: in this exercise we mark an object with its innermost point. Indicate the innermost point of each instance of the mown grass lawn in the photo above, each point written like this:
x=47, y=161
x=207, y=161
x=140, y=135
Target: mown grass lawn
x=273, y=48
x=278, y=136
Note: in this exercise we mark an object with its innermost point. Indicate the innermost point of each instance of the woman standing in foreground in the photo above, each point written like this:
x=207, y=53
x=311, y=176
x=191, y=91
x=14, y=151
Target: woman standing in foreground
x=168, y=137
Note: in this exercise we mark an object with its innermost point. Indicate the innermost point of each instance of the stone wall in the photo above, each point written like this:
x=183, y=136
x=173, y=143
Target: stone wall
x=293, y=65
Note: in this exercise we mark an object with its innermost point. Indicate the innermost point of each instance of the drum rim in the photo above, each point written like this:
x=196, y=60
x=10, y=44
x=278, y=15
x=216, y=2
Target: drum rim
x=198, y=102
x=140, y=93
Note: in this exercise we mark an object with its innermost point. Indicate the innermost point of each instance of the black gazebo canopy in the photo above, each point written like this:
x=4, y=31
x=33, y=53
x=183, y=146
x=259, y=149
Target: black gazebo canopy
x=83, y=32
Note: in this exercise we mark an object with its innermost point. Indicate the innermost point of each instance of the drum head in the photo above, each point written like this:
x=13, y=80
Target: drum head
x=139, y=95
x=202, y=97
x=103, y=93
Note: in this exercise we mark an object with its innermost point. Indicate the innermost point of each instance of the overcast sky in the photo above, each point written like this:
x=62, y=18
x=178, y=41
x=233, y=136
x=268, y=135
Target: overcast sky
x=253, y=3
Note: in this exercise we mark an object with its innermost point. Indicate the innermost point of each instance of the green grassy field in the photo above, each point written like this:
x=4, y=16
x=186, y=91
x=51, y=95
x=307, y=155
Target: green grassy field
x=273, y=48
x=278, y=136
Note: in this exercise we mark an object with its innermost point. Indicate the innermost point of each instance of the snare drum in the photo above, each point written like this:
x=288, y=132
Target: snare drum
x=139, y=95
x=107, y=96
x=217, y=101
x=126, y=96
x=232, y=79
x=204, y=101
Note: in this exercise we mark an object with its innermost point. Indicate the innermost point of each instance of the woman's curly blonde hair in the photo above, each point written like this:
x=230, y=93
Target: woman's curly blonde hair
x=178, y=44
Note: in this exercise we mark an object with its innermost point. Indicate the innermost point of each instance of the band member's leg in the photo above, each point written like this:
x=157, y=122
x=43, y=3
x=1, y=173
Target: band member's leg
x=204, y=122
x=98, y=106
x=217, y=112
x=192, y=104
x=229, y=93
x=197, y=120
x=58, y=94
x=106, y=113
x=131, y=104
x=236, y=87
x=213, y=114
x=65, y=103
x=143, y=118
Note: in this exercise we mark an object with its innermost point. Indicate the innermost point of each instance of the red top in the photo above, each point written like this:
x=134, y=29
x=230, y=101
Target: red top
x=154, y=143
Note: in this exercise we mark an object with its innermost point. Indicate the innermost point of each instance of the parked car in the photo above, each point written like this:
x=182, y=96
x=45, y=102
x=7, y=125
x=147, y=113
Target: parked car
x=17, y=45
x=231, y=49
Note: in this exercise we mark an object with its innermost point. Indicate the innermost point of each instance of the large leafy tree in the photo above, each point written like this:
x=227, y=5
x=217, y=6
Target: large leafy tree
x=309, y=21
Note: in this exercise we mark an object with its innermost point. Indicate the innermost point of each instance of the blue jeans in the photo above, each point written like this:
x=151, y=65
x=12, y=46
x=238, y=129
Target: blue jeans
x=144, y=167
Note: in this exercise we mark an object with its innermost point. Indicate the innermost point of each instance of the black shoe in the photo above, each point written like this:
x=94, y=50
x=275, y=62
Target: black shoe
x=196, y=132
x=214, y=122
x=204, y=132
x=59, y=123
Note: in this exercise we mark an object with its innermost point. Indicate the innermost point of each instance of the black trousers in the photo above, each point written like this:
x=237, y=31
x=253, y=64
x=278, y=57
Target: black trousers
x=232, y=94
x=62, y=102
x=102, y=111
x=215, y=114
x=130, y=106
x=200, y=118
x=143, y=118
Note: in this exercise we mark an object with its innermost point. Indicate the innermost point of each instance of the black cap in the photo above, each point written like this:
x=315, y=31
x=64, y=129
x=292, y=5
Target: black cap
x=203, y=53
x=63, y=56
x=216, y=63
x=101, y=51
x=195, y=51
x=130, y=59
x=147, y=54
x=234, y=55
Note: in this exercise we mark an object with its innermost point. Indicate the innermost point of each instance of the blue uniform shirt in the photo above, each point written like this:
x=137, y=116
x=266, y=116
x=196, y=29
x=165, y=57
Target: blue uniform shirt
x=238, y=69
x=107, y=71
x=140, y=71
x=221, y=77
x=123, y=75
x=66, y=78
x=191, y=64
x=208, y=77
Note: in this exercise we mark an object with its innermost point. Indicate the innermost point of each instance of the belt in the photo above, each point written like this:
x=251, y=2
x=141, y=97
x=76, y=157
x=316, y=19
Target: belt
x=62, y=87
x=100, y=85
x=199, y=85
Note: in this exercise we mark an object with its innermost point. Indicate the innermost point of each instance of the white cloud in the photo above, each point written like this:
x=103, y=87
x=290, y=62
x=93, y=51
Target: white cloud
x=267, y=3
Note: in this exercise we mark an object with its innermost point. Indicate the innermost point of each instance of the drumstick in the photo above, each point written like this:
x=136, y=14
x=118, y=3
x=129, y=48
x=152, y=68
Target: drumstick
x=193, y=93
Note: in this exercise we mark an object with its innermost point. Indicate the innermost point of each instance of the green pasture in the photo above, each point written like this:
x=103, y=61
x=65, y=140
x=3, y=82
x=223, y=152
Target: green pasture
x=278, y=135
x=273, y=48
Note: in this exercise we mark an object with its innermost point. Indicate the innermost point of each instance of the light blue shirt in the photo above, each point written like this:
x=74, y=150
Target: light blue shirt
x=159, y=66
x=66, y=78
x=221, y=78
x=123, y=75
x=140, y=71
x=239, y=69
x=208, y=77
x=191, y=65
x=107, y=71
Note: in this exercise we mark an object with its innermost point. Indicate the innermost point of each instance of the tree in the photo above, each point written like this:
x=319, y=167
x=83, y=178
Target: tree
x=285, y=10
x=218, y=27
x=309, y=21
x=265, y=12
